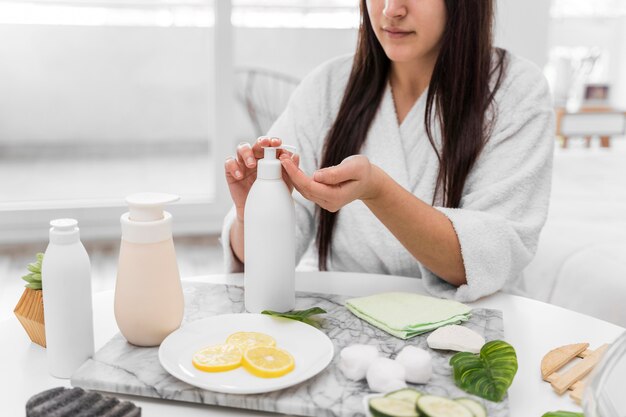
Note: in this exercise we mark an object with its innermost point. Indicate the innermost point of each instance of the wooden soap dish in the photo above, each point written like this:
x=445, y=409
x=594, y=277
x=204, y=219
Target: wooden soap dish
x=574, y=379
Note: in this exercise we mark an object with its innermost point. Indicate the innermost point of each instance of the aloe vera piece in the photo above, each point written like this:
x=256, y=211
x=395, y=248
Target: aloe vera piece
x=299, y=315
x=488, y=374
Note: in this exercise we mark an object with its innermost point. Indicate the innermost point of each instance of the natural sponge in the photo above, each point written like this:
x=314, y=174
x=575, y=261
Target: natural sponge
x=66, y=402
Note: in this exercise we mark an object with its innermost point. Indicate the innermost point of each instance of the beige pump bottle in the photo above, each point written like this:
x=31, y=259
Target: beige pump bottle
x=149, y=303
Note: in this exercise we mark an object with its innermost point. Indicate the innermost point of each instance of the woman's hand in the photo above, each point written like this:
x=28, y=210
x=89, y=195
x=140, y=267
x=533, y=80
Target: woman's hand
x=240, y=171
x=355, y=178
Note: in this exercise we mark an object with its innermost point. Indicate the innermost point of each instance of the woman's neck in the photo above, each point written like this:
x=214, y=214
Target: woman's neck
x=411, y=78
x=408, y=81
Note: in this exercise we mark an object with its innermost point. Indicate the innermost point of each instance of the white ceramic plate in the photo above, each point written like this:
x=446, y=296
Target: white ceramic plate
x=312, y=351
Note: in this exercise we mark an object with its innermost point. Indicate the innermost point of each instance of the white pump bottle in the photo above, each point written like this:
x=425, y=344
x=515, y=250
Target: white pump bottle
x=149, y=302
x=269, y=239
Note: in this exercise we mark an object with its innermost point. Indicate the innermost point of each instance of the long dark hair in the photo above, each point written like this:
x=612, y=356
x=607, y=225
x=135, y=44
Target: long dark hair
x=459, y=95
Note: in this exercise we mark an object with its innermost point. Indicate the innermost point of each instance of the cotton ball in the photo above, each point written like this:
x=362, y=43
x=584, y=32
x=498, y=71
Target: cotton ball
x=355, y=359
x=417, y=363
x=385, y=375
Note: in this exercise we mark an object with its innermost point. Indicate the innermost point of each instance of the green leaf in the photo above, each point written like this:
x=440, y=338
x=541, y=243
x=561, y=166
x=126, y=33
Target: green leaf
x=563, y=414
x=34, y=285
x=299, y=315
x=34, y=277
x=488, y=374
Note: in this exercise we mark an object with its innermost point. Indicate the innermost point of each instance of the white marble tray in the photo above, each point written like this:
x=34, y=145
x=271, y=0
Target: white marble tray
x=122, y=368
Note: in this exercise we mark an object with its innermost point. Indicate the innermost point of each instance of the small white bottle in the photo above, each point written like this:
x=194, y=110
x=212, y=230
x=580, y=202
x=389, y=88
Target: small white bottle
x=149, y=302
x=269, y=239
x=68, y=309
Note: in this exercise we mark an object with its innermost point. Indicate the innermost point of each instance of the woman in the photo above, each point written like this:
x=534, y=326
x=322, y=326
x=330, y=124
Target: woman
x=430, y=152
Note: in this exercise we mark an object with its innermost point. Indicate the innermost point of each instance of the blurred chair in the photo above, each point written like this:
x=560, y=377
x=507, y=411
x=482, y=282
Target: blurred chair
x=264, y=94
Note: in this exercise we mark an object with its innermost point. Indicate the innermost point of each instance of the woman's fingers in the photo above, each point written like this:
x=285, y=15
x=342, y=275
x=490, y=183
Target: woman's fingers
x=309, y=189
x=348, y=169
x=282, y=152
x=233, y=169
x=296, y=160
x=258, y=146
x=245, y=155
x=264, y=142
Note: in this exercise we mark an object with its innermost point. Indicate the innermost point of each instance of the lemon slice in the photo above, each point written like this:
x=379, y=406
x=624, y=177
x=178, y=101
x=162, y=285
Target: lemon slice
x=217, y=358
x=268, y=361
x=247, y=340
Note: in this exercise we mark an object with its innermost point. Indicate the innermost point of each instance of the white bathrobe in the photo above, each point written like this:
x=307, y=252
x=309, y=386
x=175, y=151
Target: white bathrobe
x=505, y=199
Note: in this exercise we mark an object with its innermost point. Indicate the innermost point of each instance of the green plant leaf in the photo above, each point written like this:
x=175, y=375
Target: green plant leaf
x=488, y=374
x=563, y=414
x=34, y=285
x=299, y=315
x=34, y=277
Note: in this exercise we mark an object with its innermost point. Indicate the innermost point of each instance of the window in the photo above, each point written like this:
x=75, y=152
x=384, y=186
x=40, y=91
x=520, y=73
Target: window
x=182, y=13
x=296, y=13
x=168, y=13
x=586, y=8
x=103, y=98
x=99, y=100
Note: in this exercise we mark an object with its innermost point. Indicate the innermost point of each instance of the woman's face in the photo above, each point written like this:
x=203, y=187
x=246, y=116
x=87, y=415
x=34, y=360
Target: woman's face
x=408, y=30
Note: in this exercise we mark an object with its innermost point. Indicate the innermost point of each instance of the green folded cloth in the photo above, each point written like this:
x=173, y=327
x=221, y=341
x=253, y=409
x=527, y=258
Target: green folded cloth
x=406, y=315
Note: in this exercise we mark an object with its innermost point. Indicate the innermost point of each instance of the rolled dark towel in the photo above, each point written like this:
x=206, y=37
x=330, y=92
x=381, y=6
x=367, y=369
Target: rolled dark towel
x=76, y=402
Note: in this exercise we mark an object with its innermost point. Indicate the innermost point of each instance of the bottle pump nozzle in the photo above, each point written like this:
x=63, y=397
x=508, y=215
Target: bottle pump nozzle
x=148, y=207
x=269, y=167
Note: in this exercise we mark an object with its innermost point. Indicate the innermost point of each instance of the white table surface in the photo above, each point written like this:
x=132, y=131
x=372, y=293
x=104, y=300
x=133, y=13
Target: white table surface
x=532, y=327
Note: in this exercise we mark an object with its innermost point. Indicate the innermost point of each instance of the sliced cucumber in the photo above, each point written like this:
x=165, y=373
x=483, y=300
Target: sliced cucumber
x=474, y=406
x=391, y=407
x=405, y=394
x=433, y=406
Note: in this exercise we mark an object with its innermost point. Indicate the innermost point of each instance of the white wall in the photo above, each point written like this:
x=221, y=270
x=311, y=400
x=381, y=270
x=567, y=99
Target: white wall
x=116, y=83
x=619, y=96
x=522, y=28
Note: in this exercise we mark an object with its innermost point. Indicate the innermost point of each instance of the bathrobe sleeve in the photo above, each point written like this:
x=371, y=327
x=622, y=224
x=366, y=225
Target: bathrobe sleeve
x=301, y=125
x=505, y=199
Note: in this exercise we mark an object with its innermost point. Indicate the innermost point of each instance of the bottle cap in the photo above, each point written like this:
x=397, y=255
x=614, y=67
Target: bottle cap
x=64, y=225
x=269, y=168
x=64, y=231
x=148, y=207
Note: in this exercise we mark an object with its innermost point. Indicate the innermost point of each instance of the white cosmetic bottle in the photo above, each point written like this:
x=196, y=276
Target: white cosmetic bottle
x=68, y=310
x=149, y=302
x=269, y=239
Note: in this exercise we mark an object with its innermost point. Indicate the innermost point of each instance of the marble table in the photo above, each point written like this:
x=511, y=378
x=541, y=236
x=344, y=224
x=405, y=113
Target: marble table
x=121, y=368
x=532, y=327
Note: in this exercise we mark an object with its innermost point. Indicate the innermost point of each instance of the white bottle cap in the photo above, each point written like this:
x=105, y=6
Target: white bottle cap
x=148, y=207
x=64, y=231
x=146, y=221
x=269, y=168
x=64, y=225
